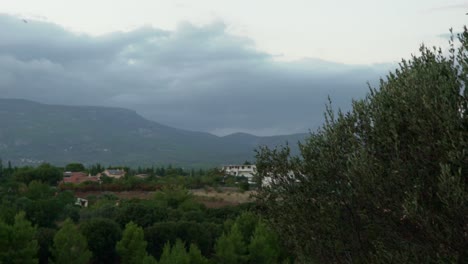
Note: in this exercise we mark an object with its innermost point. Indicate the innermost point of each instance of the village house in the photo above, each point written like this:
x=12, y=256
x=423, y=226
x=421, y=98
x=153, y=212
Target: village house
x=114, y=173
x=78, y=177
x=248, y=171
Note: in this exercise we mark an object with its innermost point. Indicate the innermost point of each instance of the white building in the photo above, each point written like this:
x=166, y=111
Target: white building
x=248, y=171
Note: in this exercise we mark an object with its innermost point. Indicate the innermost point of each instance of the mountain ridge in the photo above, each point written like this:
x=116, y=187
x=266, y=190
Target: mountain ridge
x=33, y=132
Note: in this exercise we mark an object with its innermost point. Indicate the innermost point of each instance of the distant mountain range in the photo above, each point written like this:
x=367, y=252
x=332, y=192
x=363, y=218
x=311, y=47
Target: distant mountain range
x=31, y=133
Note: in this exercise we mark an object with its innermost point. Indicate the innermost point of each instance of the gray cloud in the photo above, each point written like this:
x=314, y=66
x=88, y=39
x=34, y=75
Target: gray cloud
x=197, y=78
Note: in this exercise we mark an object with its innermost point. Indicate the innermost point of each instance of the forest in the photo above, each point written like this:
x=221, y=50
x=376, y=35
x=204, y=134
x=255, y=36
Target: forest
x=41, y=223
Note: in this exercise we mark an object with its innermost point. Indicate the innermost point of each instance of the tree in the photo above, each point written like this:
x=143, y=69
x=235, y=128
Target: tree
x=149, y=260
x=45, y=173
x=75, y=167
x=141, y=213
x=203, y=234
x=45, y=239
x=230, y=247
x=17, y=242
x=102, y=236
x=173, y=196
x=42, y=205
x=176, y=254
x=196, y=256
x=247, y=223
x=386, y=181
x=70, y=245
x=9, y=168
x=132, y=247
x=263, y=247
x=38, y=190
x=95, y=169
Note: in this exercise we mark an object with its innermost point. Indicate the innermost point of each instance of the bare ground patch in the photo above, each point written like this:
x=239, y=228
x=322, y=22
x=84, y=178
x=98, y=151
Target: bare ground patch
x=210, y=197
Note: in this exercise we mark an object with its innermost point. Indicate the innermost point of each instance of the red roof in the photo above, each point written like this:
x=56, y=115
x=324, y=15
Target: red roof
x=78, y=177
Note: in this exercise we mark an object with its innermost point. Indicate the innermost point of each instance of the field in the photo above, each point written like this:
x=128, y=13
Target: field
x=210, y=197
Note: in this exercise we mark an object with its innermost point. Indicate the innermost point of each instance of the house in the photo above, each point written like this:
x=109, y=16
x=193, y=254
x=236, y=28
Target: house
x=78, y=177
x=81, y=202
x=114, y=173
x=248, y=171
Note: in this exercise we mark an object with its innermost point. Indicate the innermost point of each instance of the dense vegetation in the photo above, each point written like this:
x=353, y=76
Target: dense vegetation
x=386, y=182
x=40, y=222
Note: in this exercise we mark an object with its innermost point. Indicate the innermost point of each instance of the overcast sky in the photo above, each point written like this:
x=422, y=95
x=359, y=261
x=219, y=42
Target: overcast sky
x=262, y=67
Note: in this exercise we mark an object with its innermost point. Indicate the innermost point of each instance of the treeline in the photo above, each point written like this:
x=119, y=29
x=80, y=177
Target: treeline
x=160, y=171
x=139, y=179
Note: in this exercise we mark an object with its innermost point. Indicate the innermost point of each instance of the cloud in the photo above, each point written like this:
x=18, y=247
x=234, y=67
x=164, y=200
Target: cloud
x=197, y=78
x=449, y=7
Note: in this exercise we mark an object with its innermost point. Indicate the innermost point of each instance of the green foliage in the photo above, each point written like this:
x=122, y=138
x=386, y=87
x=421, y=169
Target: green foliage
x=42, y=204
x=196, y=256
x=45, y=173
x=149, y=260
x=102, y=235
x=202, y=234
x=95, y=169
x=17, y=242
x=230, y=247
x=247, y=223
x=37, y=190
x=179, y=255
x=141, y=213
x=244, y=185
x=45, y=239
x=175, y=255
x=106, y=179
x=264, y=246
x=172, y=216
x=132, y=247
x=70, y=245
x=75, y=167
x=70, y=211
x=385, y=182
x=173, y=196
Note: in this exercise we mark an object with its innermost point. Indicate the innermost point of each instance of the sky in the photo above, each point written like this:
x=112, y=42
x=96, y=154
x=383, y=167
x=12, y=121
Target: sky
x=264, y=67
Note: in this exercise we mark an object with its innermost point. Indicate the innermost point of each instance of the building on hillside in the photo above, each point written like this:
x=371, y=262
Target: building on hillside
x=79, y=177
x=117, y=174
x=248, y=171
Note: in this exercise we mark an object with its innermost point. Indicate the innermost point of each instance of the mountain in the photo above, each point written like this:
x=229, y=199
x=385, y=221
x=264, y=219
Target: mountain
x=32, y=133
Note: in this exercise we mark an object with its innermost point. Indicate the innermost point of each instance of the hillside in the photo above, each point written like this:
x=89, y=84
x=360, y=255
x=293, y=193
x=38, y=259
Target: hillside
x=32, y=132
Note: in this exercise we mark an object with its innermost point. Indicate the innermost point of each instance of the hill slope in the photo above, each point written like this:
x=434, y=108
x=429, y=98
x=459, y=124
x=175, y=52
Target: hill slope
x=32, y=132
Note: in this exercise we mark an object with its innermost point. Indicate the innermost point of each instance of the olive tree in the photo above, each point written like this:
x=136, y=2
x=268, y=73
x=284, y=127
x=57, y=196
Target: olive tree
x=385, y=182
